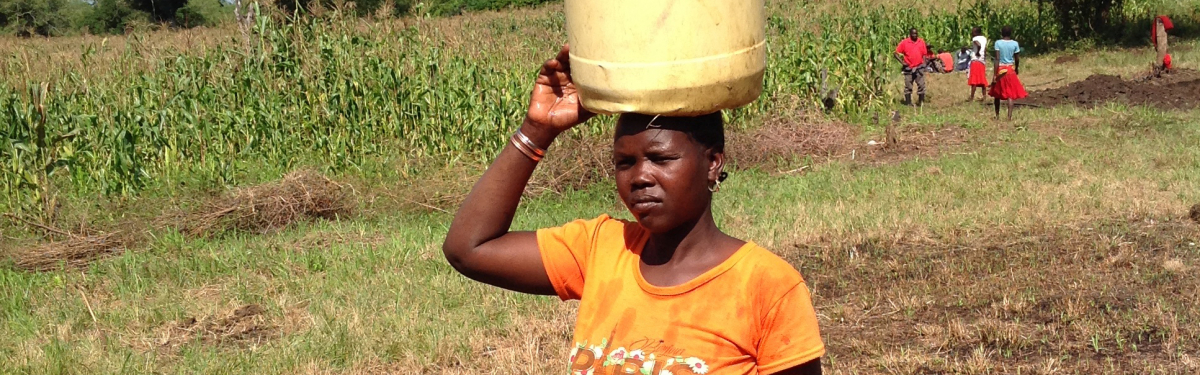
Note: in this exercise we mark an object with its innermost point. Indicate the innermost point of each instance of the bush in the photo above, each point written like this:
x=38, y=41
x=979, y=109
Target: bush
x=203, y=13
x=159, y=10
x=112, y=16
x=1085, y=19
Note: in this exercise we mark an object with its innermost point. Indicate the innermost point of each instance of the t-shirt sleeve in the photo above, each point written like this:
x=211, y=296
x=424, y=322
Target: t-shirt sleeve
x=900, y=47
x=1016, y=48
x=791, y=336
x=565, y=252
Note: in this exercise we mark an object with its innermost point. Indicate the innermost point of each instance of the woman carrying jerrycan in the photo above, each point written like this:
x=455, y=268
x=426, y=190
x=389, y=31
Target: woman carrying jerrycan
x=668, y=293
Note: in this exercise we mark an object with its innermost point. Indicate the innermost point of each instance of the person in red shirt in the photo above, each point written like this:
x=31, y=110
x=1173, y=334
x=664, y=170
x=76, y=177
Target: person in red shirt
x=1158, y=37
x=947, y=61
x=911, y=53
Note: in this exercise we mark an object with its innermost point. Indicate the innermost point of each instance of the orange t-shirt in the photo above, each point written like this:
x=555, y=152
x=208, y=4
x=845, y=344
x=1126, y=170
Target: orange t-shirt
x=947, y=61
x=751, y=314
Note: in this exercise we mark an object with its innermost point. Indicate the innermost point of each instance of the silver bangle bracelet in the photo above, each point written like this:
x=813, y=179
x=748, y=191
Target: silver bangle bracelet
x=524, y=149
x=540, y=152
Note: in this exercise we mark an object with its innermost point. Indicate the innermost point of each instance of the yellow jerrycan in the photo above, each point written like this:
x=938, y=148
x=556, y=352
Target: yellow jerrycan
x=666, y=57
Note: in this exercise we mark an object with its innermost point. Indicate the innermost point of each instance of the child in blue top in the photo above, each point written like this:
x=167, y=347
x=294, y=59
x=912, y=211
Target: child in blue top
x=1006, y=86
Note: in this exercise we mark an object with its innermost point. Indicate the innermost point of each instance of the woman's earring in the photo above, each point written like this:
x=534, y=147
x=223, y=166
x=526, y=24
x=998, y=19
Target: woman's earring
x=715, y=187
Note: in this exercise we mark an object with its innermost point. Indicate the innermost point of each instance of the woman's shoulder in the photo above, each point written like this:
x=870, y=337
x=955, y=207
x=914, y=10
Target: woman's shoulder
x=600, y=229
x=606, y=230
x=769, y=268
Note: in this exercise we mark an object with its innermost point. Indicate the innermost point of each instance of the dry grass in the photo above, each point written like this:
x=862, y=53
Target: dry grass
x=244, y=326
x=45, y=60
x=781, y=142
x=264, y=208
x=300, y=195
x=532, y=344
x=1118, y=300
x=77, y=250
x=236, y=326
x=575, y=162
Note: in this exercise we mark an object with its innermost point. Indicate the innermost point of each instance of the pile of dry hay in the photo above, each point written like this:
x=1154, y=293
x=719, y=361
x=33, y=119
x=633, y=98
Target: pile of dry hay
x=76, y=250
x=268, y=207
x=264, y=208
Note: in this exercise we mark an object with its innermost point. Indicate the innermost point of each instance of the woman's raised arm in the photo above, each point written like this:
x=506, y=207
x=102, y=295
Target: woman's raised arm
x=479, y=243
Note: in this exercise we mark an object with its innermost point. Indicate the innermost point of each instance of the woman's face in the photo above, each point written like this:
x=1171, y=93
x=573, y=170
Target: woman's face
x=663, y=176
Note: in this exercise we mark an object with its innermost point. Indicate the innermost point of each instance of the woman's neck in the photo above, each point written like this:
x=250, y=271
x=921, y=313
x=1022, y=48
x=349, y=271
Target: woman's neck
x=688, y=241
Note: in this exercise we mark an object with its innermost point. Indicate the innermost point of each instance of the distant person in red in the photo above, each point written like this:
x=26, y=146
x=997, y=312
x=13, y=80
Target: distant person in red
x=977, y=72
x=1005, y=84
x=947, y=61
x=1158, y=37
x=911, y=53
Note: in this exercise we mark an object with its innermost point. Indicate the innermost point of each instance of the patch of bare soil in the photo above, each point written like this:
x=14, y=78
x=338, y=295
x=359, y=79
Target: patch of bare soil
x=784, y=146
x=780, y=143
x=1115, y=296
x=245, y=326
x=1178, y=89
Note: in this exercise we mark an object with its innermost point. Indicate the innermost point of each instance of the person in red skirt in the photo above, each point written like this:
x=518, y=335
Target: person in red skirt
x=1005, y=84
x=977, y=71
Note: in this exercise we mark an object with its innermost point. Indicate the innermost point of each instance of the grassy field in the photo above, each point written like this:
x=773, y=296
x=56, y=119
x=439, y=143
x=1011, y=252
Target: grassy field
x=1058, y=243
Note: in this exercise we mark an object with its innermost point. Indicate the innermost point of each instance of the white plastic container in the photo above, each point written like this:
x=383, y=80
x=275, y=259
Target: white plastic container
x=666, y=57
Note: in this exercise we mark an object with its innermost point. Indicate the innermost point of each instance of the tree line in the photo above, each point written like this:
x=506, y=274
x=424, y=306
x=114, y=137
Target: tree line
x=68, y=17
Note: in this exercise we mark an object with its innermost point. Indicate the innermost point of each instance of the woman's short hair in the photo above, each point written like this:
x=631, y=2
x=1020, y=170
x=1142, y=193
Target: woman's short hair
x=1006, y=31
x=707, y=130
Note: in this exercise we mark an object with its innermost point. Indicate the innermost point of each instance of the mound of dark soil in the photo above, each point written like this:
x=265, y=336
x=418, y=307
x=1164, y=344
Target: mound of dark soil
x=1179, y=89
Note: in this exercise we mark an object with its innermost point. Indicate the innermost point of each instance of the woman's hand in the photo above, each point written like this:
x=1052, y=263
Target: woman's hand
x=554, y=106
